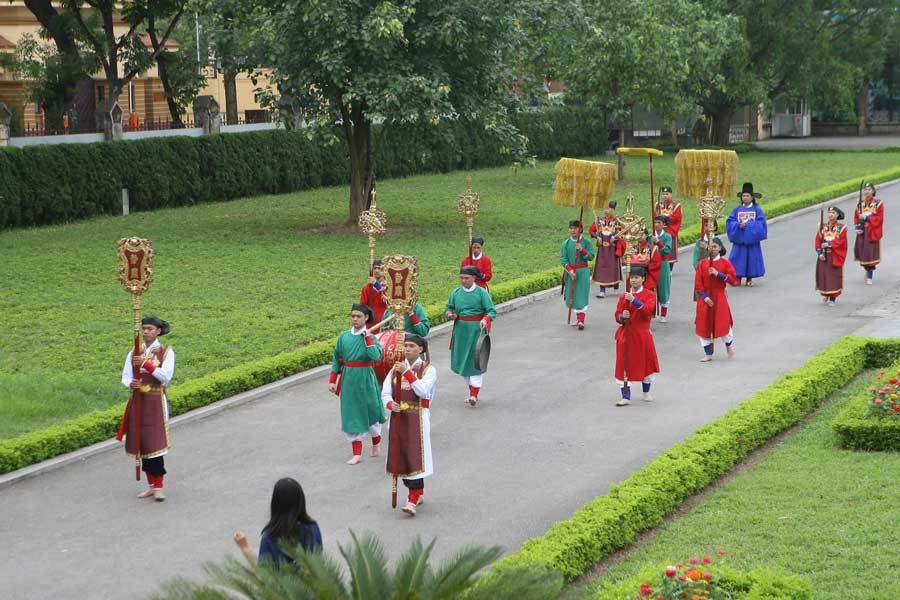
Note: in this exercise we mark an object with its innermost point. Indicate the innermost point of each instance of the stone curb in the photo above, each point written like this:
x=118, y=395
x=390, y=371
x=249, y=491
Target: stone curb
x=288, y=382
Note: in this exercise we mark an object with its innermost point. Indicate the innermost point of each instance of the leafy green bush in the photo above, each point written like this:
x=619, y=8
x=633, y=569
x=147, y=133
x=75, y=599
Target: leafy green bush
x=857, y=430
x=759, y=584
x=613, y=520
x=41, y=185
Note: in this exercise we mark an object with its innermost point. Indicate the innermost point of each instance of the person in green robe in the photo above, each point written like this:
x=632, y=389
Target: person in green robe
x=576, y=253
x=416, y=322
x=472, y=311
x=361, y=409
x=663, y=241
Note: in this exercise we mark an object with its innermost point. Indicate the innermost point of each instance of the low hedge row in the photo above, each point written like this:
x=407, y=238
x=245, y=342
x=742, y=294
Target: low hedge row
x=759, y=584
x=97, y=426
x=856, y=432
x=613, y=520
x=56, y=183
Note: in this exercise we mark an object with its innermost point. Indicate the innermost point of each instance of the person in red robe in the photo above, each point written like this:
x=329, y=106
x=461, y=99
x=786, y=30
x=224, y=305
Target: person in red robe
x=371, y=294
x=668, y=207
x=831, y=246
x=647, y=256
x=635, y=351
x=713, y=316
x=869, y=221
x=477, y=259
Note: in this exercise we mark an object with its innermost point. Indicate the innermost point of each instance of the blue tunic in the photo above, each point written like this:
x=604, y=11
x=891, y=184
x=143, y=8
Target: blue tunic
x=308, y=536
x=746, y=253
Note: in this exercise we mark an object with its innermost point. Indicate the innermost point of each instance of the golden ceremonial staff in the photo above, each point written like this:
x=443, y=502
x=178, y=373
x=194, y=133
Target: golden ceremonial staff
x=136, y=273
x=467, y=205
x=400, y=294
x=585, y=184
x=372, y=222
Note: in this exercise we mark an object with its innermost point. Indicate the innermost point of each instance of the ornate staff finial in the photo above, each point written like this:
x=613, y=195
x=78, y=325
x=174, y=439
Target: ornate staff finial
x=467, y=205
x=711, y=208
x=372, y=222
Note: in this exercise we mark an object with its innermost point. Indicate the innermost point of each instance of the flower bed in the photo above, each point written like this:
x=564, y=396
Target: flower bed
x=871, y=420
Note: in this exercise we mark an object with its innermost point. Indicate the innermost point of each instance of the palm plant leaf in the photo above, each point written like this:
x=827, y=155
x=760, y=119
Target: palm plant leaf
x=320, y=573
x=369, y=578
x=455, y=575
x=521, y=583
x=413, y=574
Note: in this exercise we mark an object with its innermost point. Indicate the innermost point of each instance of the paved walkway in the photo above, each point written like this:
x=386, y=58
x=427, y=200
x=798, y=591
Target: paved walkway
x=833, y=143
x=545, y=439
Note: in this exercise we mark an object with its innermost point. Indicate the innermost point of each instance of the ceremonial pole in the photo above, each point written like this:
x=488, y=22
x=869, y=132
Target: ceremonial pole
x=135, y=273
x=401, y=294
x=649, y=153
x=372, y=222
x=468, y=204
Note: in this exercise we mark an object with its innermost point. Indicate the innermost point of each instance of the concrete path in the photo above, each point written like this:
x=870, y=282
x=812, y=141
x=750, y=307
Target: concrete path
x=545, y=439
x=832, y=143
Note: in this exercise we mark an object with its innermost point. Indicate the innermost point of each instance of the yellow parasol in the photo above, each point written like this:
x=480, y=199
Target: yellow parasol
x=693, y=167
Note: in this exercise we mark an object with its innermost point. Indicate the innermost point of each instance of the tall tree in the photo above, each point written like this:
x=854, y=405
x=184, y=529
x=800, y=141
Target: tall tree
x=401, y=62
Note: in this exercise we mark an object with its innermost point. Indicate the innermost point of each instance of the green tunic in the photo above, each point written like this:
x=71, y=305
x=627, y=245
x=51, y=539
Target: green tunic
x=361, y=405
x=421, y=329
x=466, y=333
x=582, y=276
x=664, y=285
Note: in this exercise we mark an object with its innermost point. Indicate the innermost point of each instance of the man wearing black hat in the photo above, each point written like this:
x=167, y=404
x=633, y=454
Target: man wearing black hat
x=576, y=253
x=480, y=261
x=671, y=209
x=831, y=246
x=409, y=447
x=354, y=358
x=152, y=442
x=869, y=221
x=472, y=309
x=371, y=294
x=746, y=227
x=608, y=266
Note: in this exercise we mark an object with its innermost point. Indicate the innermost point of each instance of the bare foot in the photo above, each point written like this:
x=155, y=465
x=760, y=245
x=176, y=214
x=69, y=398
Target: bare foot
x=146, y=493
x=355, y=459
x=158, y=495
x=730, y=351
x=647, y=397
x=706, y=358
x=376, y=449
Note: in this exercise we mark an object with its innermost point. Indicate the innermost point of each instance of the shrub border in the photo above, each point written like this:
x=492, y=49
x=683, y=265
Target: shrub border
x=856, y=432
x=613, y=520
x=97, y=426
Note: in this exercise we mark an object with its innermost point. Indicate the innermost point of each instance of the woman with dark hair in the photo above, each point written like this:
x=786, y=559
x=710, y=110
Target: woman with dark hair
x=289, y=525
x=713, y=315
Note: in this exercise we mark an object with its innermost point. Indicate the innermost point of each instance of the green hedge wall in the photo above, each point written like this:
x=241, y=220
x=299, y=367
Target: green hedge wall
x=57, y=183
x=97, y=426
x=613, y=520
x=856, y=432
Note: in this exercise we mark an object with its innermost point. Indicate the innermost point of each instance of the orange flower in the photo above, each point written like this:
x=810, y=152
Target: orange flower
x=694, y=574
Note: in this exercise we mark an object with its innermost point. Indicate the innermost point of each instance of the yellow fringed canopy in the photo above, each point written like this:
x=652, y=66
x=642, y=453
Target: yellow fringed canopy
x=694, y=166
x=584, y=183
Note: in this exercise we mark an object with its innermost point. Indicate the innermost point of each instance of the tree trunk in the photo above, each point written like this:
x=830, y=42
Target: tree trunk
x=675, y=133
x=862, y=109
x=359, y=141
x=621, y=161
x=721, y=124
x=229, y=78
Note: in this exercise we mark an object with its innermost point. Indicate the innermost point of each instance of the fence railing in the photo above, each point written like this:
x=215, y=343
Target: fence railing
x=158, y=124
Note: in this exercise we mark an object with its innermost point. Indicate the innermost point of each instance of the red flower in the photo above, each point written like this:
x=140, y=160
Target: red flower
x=693, y=560
x=646, y=590
x=878, y=402
x=894, y=380
x=671, y=571
x=721, y=552
x=682, y=578
x=706, y=560
x=707, y=576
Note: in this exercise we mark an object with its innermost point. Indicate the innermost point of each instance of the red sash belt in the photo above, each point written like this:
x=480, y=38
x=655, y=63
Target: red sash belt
x=471, y=317
x=357, y=363
x=580, y=266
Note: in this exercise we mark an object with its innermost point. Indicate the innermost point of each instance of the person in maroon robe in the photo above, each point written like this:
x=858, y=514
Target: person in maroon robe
x=831, y=247
x=480, y=261
x=371, y=294
x=608, y=265
x=636, y=358
x=713, y=314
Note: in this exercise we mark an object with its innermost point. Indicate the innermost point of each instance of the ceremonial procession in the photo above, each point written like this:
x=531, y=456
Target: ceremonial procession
x=449, y=300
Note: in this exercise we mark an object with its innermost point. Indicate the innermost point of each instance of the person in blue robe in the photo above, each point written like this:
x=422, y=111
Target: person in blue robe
x=746, y=227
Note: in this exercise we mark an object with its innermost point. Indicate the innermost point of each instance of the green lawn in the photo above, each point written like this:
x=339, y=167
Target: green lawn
x=251, y=278
x=809, y=508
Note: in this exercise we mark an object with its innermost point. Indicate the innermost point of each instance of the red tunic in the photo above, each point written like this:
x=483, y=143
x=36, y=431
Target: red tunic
x=673, y=211
x=719, y=315
x=648, y=256
x=837, y=235
x=875, y=208
x=483, y=264
x=374, y=300
x=635, y=351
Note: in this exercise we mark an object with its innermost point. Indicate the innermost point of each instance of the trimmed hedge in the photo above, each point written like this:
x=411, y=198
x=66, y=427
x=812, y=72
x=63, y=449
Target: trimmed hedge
x=613, y=520
x=97, y=426
x=56, y=183
x=758, y=584
x=857, y=432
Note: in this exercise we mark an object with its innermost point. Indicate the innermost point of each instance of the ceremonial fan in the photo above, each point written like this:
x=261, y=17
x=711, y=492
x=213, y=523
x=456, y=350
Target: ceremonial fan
x=649, y=153
x=135, y=273
x=401, y=293
x=585, y=184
